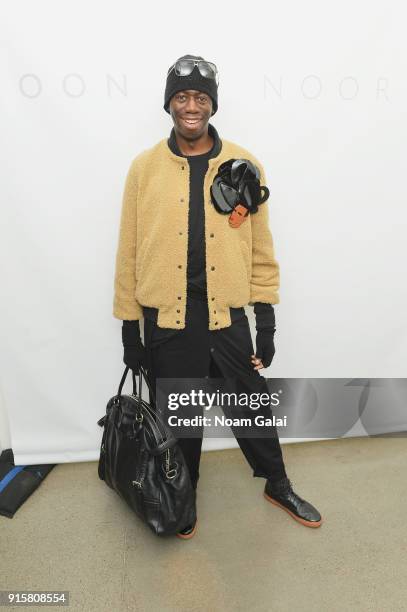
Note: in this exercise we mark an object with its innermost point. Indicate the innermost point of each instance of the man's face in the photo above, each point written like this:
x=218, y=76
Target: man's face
x=190, y=111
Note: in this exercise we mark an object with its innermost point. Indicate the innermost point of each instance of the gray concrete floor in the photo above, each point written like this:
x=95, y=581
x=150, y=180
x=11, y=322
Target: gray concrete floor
x=75, y=534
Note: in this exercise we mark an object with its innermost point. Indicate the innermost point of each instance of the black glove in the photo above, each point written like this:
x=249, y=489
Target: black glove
x=134, y=349
x=265, y=326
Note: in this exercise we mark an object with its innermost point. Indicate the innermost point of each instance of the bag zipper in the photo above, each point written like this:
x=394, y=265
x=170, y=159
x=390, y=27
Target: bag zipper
x=139, y=481
x=168, y=469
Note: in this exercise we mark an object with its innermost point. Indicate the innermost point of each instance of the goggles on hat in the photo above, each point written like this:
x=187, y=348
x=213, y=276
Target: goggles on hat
x=236, y=190
x=184, y=67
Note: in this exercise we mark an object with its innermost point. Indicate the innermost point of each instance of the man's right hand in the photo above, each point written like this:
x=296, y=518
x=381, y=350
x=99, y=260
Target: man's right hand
x=134, y=350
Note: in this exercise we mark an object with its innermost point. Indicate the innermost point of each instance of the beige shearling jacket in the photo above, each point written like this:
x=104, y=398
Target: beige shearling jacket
x=151, y=257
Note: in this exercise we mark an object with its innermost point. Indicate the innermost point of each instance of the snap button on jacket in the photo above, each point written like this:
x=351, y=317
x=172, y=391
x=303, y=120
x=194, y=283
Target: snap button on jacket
x=151, y=257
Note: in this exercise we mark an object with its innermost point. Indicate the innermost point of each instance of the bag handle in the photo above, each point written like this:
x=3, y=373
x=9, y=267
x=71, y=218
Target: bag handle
x=164, y=438
x=143, y=374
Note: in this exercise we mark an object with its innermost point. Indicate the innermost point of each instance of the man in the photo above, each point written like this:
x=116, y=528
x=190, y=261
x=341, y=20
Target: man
x=189, y=273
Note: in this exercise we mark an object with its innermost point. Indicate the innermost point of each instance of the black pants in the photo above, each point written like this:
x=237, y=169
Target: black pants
x=197, y=352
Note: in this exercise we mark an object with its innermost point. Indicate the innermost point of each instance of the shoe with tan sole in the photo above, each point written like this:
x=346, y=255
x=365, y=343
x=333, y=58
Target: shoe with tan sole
x=188, y=531
x=281, y=494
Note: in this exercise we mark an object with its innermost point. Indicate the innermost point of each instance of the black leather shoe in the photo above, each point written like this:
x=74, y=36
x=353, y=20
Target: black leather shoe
x=188, y=531
x=281, y=494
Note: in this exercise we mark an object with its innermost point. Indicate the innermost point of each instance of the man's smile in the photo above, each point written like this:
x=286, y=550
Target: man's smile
x=191, y=121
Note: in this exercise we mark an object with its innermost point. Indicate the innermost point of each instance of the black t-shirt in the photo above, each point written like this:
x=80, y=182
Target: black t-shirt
x=198, y=166
x=196, y=270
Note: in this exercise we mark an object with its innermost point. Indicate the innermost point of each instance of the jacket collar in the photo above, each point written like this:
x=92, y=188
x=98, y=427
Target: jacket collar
x=214, y=152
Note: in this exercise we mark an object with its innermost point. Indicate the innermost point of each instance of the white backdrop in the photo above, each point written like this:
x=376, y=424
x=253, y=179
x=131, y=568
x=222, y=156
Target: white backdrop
x=316, y=91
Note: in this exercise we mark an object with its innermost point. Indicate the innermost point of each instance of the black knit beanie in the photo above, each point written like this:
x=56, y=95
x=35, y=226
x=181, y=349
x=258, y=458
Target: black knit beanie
x=193, y=81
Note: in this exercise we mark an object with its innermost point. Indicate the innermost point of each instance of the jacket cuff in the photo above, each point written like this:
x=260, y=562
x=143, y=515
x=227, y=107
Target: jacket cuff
x=131, y=310
x=267, y=295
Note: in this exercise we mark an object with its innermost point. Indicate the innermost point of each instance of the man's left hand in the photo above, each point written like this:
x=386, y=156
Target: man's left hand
x=265, y=349
x=265, y=326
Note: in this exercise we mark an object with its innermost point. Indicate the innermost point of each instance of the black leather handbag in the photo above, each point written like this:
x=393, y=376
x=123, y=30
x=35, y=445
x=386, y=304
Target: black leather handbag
x=141, y=460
